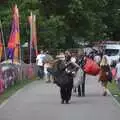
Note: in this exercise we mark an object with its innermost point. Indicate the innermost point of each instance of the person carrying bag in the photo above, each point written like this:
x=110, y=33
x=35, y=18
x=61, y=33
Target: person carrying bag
x=105, y=74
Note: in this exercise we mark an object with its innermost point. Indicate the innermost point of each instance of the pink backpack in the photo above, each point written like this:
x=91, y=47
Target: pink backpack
x=113, y=70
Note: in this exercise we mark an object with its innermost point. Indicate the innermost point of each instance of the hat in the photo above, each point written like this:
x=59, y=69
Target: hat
x=61, y=57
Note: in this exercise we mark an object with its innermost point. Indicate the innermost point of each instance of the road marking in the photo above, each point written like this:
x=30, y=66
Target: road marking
x=114, y=99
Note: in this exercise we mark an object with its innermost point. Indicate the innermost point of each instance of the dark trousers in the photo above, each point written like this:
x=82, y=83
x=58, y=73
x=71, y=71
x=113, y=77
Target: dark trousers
x=41, y=71
x=66, y=93
x=81, y=88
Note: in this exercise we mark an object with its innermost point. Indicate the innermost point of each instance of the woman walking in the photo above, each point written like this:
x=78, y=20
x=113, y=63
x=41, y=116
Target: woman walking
x=105, y=74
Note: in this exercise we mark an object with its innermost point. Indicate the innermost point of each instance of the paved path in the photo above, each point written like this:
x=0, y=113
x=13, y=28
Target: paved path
x=40, y=101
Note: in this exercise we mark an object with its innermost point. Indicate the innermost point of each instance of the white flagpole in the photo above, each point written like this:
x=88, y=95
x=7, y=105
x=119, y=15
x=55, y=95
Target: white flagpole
x=3, y=41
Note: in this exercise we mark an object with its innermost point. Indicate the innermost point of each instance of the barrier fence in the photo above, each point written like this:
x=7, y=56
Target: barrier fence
x=11, y=73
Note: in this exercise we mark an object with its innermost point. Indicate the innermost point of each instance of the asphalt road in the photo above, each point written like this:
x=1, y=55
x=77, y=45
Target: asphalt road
x=41, y=101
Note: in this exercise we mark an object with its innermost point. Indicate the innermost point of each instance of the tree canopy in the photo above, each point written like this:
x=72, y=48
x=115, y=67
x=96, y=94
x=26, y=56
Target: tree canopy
x=65, y=23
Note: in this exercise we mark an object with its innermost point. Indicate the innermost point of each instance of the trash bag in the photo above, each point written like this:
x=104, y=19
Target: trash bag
x=91, y=67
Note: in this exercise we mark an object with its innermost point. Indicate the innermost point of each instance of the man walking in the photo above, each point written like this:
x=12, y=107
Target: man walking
x=40, y=64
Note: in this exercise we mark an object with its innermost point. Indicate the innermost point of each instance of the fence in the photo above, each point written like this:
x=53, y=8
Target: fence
x=11, y=73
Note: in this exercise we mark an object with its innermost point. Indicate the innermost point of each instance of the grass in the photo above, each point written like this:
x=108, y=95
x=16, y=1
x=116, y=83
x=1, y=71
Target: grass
x=115, y=91
x=11, y=90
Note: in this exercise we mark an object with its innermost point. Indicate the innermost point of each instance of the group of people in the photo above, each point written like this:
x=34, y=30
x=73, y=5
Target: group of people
x=108, y=70
x=43, y=63
x=64, y=67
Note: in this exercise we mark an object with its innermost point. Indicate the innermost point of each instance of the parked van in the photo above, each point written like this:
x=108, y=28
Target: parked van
x=112, y=51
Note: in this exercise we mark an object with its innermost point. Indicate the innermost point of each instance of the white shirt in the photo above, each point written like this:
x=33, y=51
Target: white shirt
x=40, y=59
x=118, y=71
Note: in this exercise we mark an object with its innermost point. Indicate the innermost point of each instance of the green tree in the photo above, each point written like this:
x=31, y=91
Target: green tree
x=60, y=22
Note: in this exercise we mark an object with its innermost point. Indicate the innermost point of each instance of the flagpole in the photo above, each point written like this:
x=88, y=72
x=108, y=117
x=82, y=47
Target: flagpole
x=18, y=44
x=3, y=40
x=19, y=41
x=35, y=35
x=31, y=27
x=19, y=47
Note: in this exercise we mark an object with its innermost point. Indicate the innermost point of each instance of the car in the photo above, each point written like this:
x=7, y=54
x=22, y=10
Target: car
x=112, y=51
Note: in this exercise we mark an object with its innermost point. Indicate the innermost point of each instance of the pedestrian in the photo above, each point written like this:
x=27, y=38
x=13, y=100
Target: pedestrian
x=81, y=60
x=47, y=64
x=63, y=79
x=67, y=56
x=40, y=64
x=118, y=72
x=105, y=74
x=46, y=73
x=97, y=59
x=108, y=59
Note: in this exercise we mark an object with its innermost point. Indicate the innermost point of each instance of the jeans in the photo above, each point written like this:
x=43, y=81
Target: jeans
x=41, y=71
x=81, y=88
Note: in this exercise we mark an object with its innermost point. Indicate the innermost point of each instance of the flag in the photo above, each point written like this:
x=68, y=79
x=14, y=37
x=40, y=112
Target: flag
x=14, y=39
x=1, y=46
x=33, y=41
x=34, y=35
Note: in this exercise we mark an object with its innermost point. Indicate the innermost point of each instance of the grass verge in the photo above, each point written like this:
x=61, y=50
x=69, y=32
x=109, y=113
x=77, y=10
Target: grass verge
x=11, y=90
x=115, y=91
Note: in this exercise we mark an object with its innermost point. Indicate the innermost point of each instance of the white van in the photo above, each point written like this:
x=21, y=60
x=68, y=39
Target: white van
x=112, y=51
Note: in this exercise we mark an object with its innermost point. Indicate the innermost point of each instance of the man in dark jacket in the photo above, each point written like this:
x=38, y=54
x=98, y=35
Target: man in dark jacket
x=62, y=78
